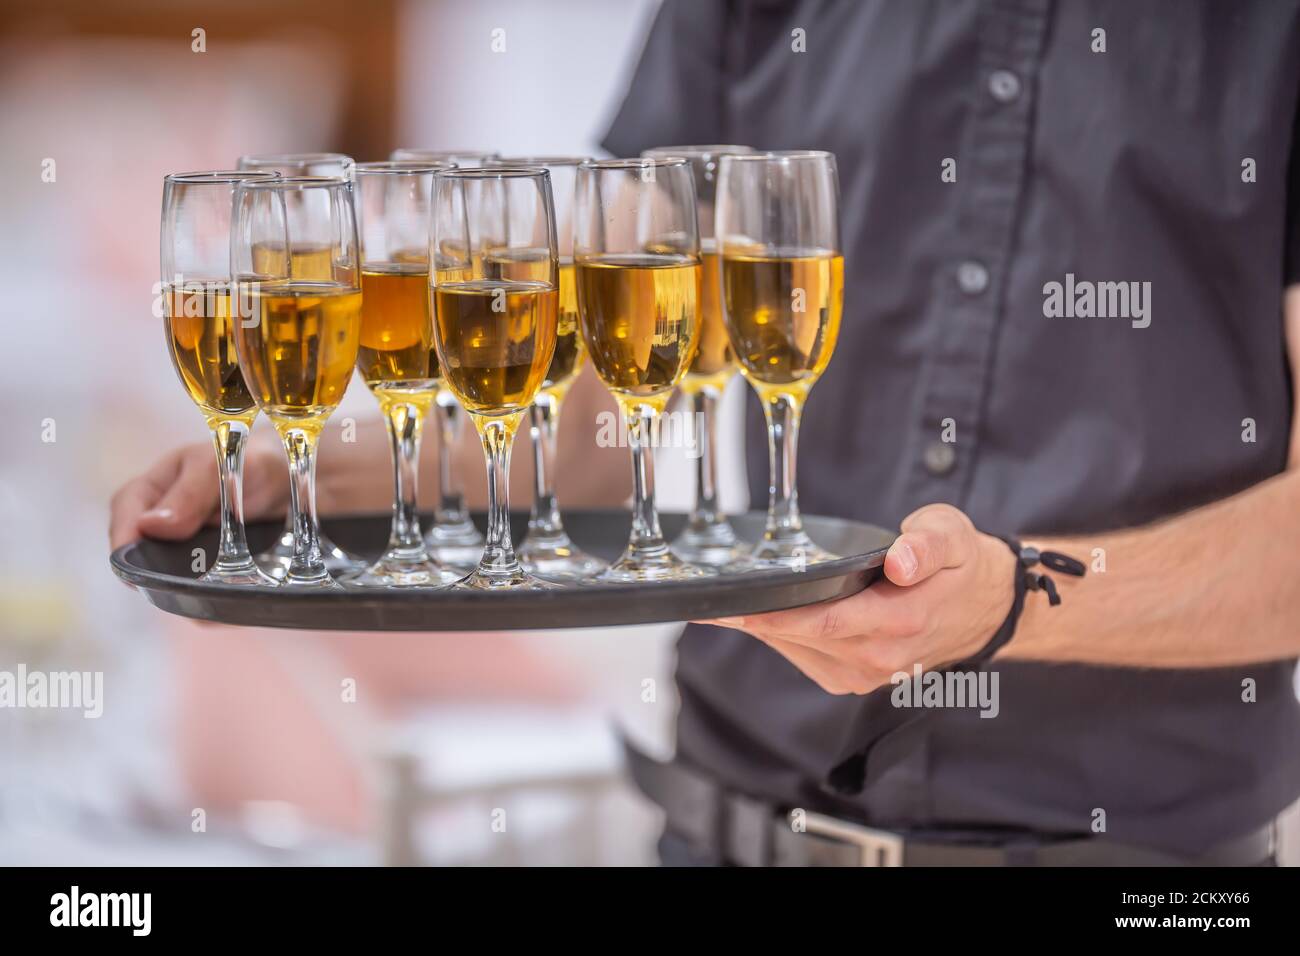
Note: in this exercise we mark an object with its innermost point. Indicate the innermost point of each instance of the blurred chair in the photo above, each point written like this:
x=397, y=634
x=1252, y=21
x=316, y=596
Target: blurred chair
x=501, y=786
x=456, y=749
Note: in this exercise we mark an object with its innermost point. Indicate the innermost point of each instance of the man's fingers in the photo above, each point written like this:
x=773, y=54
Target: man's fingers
x=139, y=495
x=187, y=503
x=133, y=500
x=882, y=610
x=828, y=673
x=802, y=625
x=917, y=555
x=933, y=538
x=179, y=494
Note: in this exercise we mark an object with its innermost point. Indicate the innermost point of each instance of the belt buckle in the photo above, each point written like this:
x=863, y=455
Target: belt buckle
x=878, y=847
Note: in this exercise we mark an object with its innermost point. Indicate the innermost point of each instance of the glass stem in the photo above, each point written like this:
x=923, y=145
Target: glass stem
x=647, y=541
x=300, y=446
x=498, y=436
x=544, y=521
x=704, y=408
x=230, y=439
x=405, y=424
x=784, y=525
x=451, y=500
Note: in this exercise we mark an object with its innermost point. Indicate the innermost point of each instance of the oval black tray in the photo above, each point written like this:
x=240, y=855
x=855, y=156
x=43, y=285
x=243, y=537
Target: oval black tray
x=161, y=570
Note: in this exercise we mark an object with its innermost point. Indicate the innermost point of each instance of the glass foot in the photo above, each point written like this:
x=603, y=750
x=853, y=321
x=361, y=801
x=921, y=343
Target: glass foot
x=276, y=558
x=665, y=566
x=558, y=558
x=395, y=570
x=742, y=563
x=518, y=580
x=242, y=574
x=794, y=554
x=462, y=558
x=459, y=545
x=337, y=561
x=714, y=544
x=316, y=582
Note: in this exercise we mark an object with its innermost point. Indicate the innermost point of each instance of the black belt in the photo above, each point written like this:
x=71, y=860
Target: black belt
x=748, y=832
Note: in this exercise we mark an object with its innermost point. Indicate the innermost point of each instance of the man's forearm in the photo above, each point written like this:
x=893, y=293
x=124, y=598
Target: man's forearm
x=1216, y=586
x=1213, y=587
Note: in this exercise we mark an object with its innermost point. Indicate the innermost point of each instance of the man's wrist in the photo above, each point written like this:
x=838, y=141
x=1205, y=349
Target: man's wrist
x=1002, y=570
x=1040, y=624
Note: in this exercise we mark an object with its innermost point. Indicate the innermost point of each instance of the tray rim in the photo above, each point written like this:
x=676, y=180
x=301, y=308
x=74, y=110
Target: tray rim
x=152, y=582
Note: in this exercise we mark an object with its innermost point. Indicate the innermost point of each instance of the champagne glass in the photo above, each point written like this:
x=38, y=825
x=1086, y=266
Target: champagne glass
x=277, y=557
x=196, y=299
x=301, y=164
x=295, y=260
x=465, y=158
x=636, y=246
x=452, y=537
x=782, y=296
x=547, y=550
x=396, y=358
x=494, y=273
x=708, y=537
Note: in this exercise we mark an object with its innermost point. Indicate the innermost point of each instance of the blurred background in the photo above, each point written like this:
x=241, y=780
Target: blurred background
x=240, y=746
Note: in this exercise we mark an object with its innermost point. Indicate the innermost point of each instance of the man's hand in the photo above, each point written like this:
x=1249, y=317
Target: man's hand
x=947, y=590
x=178, y=495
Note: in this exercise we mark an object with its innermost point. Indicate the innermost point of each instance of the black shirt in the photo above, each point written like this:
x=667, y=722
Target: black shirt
x=1170, y=158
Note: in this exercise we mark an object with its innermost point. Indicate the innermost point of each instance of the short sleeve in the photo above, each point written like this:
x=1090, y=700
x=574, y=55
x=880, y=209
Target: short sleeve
x=677, y=92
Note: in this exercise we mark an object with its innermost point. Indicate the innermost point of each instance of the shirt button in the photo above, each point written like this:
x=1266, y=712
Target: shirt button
x=1004, y=85
x=972, y=277
x=939, y=457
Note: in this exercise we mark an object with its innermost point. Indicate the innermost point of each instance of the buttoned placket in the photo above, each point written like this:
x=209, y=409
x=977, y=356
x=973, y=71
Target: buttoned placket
x=968, y=311
x=966, y=317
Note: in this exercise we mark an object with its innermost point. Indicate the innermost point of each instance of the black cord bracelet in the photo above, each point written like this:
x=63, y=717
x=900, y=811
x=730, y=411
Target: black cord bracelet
x=1026, y=580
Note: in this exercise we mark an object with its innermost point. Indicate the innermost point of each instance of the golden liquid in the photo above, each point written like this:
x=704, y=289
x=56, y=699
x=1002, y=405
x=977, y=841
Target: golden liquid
x=200, y=337
x=570, y=353
x=496, y=340
x=397, y=354
x=782, y=348
x=534, y=265
x=299, y=353
x=307, y=263
x=640, y=320
x=714, y=363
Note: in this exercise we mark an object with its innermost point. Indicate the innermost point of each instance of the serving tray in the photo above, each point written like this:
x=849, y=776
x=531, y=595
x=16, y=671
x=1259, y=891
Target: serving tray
x=161, y=571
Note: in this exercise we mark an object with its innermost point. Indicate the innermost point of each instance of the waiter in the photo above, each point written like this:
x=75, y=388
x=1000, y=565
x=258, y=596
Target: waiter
x=996, y=160
x=1011, y=173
